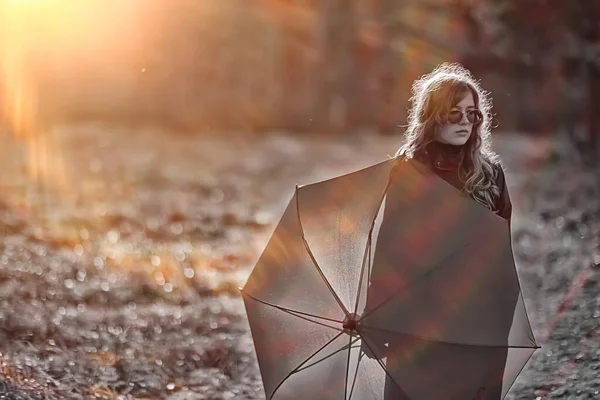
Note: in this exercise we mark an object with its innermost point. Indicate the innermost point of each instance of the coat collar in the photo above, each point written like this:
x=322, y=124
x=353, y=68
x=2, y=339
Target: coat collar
x=441, y=156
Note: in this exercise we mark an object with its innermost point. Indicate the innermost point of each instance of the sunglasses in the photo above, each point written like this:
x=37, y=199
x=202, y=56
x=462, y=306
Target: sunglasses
x=455, y=116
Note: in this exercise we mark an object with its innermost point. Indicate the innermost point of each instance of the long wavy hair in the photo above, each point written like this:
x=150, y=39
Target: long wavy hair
x=433, y=96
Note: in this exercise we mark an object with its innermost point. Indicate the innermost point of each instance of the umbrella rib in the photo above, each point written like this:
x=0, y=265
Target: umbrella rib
x=385, y=370
x=360, y=356
x=520, y=289
x=347, y=368
x=304, y=362
x=370, y=237
x=520, y=370
x=452, y=343
x=312, y=257
x=432, y=270
x=295, y=313
x=326, y=357
x=366, y=256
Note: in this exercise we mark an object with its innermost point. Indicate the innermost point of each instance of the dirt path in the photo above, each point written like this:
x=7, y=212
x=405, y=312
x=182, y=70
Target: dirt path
x=121, y=258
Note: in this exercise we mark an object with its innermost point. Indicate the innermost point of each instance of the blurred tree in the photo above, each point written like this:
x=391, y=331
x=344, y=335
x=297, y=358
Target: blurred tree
x=590, y=34
x=336, y=97
x=301, y=64
x=387, y=67
x=522, y=44
x=548, y=48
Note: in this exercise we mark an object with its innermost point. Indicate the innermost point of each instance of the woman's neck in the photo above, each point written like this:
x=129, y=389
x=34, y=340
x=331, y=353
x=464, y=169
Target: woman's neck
x=445, y=148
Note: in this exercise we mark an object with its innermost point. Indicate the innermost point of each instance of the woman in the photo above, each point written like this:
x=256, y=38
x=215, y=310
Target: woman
x=449, y=131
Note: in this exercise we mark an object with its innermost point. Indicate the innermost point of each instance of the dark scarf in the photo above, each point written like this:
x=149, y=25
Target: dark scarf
x=443, y=159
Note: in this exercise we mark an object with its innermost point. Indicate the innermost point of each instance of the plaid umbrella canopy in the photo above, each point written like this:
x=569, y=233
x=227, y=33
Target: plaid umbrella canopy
x=387, y=283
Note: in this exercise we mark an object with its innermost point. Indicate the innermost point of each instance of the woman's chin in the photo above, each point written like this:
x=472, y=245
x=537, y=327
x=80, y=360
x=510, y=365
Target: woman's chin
x=456, y=139
x=459, y=140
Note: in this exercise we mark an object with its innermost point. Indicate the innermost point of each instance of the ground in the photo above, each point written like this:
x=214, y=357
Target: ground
x=122, y=252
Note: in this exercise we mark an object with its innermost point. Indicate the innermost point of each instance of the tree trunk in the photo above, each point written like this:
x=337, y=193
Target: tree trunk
x=336, y=84
x=386, y=68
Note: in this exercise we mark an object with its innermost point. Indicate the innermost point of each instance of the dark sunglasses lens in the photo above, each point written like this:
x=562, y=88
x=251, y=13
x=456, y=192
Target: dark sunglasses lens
x=474, y=116
x=454, y=117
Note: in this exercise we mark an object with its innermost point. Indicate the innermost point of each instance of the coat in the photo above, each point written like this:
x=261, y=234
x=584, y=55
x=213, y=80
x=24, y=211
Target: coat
x=442, y=160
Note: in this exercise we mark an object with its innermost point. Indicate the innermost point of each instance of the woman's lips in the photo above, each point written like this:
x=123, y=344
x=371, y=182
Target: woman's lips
x=462, y=132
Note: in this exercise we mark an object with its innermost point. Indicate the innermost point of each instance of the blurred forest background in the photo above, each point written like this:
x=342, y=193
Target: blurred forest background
x=147, y=148
x=301, y=65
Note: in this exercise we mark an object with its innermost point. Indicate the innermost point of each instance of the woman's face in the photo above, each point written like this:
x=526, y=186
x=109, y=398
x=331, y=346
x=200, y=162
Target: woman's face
x=458, y=134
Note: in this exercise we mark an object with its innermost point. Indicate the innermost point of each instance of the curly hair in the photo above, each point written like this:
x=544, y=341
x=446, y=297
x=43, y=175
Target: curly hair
x=433, y=95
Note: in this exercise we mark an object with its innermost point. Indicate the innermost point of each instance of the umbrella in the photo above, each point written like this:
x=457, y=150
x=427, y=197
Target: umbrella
x=387, y=283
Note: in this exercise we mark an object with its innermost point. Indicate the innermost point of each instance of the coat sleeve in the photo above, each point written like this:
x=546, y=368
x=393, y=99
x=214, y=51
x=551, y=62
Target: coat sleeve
x=503, y=206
